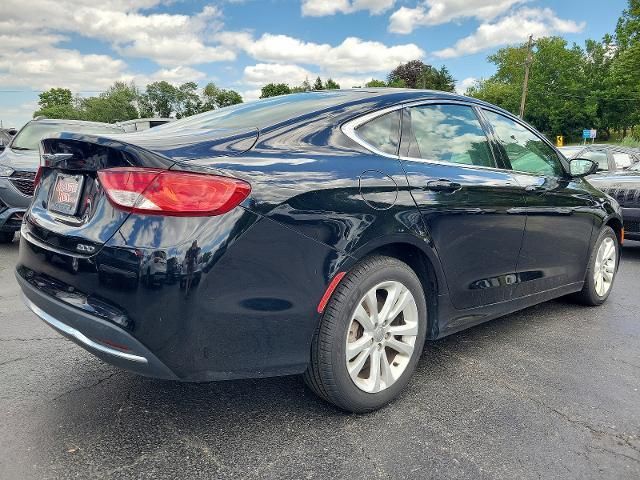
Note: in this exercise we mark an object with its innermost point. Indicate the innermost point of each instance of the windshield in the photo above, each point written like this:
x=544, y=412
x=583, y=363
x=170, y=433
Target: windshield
x=257, y=114
x=29, y=137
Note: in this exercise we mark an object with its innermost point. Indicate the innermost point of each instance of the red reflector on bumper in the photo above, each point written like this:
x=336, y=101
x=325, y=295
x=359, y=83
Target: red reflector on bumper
x=327, y=294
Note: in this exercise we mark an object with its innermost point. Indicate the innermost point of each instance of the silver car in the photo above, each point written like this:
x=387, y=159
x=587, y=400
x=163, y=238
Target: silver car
x=19, y=162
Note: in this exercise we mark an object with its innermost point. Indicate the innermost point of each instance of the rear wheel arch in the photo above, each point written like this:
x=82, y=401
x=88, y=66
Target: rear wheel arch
x=425, y=265
x=617, y=226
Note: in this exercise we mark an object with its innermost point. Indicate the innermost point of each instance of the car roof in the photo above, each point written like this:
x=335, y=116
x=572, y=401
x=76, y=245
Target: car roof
x=64, y=121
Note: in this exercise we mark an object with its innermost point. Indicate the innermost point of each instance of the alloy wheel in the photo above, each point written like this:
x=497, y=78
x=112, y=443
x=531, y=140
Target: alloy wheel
x=605, y=266
x=381, y=336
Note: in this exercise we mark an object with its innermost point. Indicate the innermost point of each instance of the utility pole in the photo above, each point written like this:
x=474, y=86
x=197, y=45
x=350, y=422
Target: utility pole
x=525, y=85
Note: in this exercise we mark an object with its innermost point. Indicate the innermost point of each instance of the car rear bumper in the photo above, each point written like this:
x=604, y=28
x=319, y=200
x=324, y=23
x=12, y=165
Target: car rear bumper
x=103, y=339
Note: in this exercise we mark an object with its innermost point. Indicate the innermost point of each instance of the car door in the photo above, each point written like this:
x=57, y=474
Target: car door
x=559, y=220
x=472, y=208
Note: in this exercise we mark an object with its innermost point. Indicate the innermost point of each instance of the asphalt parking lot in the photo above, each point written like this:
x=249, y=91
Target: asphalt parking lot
x=551, y=392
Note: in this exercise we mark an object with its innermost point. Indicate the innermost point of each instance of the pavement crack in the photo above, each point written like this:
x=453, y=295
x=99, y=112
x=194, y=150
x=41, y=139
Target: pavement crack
x=86, y=387
x=13, y=360
x=31, y=339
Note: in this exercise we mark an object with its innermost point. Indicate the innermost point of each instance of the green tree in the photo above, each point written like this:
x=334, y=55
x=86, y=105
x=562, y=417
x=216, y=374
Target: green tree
x=160, y=99
x=556, y=100
x=215, y=97
x=58, y=103
x=409, y=73
x=116, y=104
x=331, y=85
x=375, y=83
x=317, y=85
x=628, y=27
x=188, y=101
x=274, y=89
x=435, y=79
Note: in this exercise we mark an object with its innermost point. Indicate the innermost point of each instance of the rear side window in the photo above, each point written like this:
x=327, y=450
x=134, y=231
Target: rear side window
x=449, y=133
x=382, y=133
x=622, y=160
x=526, y=151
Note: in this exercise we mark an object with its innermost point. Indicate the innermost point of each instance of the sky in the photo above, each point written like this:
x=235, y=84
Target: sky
x=86, y=45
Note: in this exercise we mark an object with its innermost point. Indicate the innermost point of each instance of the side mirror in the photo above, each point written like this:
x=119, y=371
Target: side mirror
x=581, y=167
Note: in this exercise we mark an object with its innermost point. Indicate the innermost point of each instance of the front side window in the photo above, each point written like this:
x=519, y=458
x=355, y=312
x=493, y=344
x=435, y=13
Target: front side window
x=599, y=157
x=449, y=133
x=382, y=133
x=526, y=151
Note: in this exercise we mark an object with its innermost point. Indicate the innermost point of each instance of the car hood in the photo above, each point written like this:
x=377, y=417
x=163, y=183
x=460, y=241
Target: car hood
x=21, y=160
x=622, y=177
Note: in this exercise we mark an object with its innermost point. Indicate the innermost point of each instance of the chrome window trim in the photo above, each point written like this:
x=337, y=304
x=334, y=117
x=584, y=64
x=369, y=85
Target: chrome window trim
x=79, y=336
x=535, y=133
x=349, y=129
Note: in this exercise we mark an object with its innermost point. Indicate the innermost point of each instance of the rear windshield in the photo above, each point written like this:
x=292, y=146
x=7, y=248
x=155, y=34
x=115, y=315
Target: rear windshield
x=29, y=137
x=258, y=114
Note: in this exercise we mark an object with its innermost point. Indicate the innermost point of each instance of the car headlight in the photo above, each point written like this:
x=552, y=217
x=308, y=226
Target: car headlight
x=5, y=171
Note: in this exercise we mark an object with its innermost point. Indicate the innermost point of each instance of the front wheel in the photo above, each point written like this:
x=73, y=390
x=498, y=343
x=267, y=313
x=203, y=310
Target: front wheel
x=370, y=337
x=602, y=269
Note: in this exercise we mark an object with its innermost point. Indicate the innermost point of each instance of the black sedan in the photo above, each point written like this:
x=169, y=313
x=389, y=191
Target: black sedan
x=624, y=186
x=325, y=233
x=608, y=157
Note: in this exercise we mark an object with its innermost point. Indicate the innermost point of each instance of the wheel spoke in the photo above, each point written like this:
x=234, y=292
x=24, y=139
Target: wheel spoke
x=371, y=302
x=400, y=347
x=393, y=293
x=401, y=304
x=354, y=348
x=374, y=370
x=364, y=319
x=386, y=373
x=404, y=330
x=355, y=367
x=608, y=276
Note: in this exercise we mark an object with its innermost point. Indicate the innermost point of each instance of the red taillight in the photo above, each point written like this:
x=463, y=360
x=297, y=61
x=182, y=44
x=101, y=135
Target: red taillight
x=165, y=192
x=36, y=180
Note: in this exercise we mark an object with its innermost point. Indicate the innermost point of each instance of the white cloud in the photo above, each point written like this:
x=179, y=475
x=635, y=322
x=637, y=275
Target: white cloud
x=463, y=85
x=513, y=28
x=436, y=12
x=264, y=73
x=352, y=55
x=320, y=8
x=57, y=67
x=167, y=39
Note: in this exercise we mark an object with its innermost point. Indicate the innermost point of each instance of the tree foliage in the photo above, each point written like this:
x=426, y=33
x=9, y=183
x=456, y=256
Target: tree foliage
x=417, y=74
x=573, y=87
x=275, y=89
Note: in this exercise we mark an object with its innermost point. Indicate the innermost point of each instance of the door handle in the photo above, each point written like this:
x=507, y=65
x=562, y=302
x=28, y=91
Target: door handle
x=535, y=189
x=443, y=185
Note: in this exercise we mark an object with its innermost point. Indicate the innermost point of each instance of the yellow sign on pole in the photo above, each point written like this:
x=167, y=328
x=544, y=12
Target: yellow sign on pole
x=559, y=141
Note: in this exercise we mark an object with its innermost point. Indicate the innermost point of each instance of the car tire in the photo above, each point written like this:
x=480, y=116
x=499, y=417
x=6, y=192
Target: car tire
x=344, y=382
x=601, y=263
x=6, y=237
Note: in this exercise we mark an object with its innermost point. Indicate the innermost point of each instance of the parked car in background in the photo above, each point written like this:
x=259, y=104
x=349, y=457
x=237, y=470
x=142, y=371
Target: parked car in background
x=5, y=139
x=608, y=157
x=624, y=186
x=323, y=233
x=143, y=123
x=19, y=163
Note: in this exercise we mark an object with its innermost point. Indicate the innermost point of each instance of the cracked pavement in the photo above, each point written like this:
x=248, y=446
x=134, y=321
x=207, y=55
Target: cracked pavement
x=550, y=392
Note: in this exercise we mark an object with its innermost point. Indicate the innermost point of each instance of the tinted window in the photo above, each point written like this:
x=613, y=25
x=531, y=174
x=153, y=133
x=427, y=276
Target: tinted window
x=599, y=157
x=449, y=133
x=526, y=151
x=260, y=113
x=29, y=137
x=622, y=160
x=382, y=132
